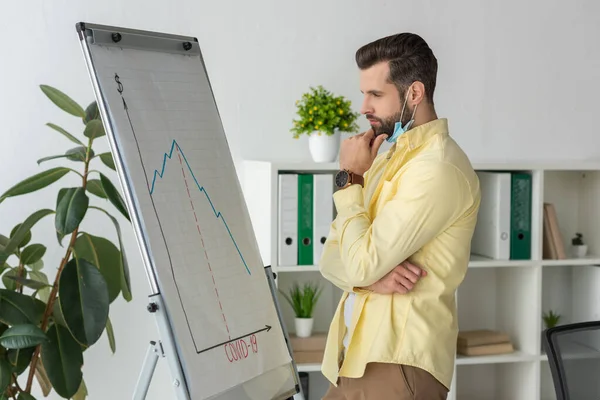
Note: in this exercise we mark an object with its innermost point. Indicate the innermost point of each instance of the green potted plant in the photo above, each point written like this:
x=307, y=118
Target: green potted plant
x=551, y=319
x=323, y=116
x=579, y=247
x=303, y=302
x=50, y=316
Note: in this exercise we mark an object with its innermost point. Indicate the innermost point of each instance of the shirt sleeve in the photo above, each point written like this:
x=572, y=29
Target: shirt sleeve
x=331, y=266
x=431, y=196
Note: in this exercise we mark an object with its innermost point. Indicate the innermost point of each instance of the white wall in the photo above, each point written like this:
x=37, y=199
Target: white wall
x=517, y=80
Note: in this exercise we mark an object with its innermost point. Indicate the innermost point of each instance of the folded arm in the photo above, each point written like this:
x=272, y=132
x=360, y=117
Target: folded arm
x=431, y=197
x=331, y=265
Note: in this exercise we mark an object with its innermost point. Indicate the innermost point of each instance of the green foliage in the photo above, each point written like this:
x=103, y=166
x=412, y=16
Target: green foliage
x=551, y=319
x=47, y=324
x=321, y=111
x=577, y=240
x=303, y=300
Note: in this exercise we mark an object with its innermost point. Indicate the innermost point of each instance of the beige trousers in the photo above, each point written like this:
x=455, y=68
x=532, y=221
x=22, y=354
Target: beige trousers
x=383, y=381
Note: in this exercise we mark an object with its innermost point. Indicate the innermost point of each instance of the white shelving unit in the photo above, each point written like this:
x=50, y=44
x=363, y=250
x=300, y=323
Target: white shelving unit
x=496, y=294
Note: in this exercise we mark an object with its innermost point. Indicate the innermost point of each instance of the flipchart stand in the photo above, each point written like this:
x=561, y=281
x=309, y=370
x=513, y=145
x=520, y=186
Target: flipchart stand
x=156, y=350
x=166, y=346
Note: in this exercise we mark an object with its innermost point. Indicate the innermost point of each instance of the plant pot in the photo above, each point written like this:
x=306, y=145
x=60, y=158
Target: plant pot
x=304, y=327
x=579, y=251
x=323, y=147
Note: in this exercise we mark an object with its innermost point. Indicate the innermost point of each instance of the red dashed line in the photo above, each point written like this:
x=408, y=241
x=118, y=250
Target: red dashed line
x=202, y=241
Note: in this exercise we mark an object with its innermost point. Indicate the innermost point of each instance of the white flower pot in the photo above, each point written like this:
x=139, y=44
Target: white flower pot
x=323, y=147
x=579, y=251
x=304, y=327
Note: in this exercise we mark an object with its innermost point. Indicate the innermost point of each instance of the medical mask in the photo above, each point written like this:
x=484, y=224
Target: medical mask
x=398, y=128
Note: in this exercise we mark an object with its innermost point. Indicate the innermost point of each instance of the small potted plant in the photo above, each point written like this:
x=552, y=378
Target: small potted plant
x=579, y=247
x=303, y=303
x=323, y=116
x=551, y=319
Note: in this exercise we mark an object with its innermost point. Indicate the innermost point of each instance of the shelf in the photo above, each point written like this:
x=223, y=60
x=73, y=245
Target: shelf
x=517, y=356
x=298, y=268
x=589, y=260
x=485, y=262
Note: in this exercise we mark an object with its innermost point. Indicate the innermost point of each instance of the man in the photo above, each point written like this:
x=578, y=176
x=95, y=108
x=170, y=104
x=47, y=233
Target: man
x=415, y=205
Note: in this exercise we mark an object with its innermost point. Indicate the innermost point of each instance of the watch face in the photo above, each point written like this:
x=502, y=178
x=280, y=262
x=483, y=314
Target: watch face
x=341, y=178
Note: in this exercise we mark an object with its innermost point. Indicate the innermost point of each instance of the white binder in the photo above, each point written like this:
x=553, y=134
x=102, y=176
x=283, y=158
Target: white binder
x=322, y=212
x=492, y=232
x=287, y=236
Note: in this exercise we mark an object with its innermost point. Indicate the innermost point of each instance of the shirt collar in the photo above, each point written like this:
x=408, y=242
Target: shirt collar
x=417, y=136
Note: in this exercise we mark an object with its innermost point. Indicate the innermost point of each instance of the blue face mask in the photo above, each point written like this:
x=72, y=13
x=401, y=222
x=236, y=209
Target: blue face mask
x=398, y=128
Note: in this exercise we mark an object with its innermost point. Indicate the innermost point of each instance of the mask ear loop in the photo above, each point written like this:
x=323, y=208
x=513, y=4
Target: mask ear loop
x=412, y=118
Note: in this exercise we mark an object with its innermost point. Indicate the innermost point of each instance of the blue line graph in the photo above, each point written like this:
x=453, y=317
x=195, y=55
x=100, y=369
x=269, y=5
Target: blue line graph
x=200, y=188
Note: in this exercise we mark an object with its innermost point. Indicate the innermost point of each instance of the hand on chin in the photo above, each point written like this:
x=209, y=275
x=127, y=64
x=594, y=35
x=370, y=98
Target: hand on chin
x=358, y=152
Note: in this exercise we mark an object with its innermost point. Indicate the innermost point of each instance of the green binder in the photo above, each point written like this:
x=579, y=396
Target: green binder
x=305, y=219
x=520, y=216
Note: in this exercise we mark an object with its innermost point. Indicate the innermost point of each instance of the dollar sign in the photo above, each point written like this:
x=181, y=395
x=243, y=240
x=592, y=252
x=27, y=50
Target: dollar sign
x=119, y=84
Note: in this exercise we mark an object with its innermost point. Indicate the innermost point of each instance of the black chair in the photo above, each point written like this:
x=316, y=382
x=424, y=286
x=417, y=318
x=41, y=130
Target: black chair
x=573, y=352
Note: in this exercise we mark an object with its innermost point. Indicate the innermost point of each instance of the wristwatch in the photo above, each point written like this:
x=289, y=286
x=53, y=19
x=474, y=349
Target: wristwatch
x=346, y=178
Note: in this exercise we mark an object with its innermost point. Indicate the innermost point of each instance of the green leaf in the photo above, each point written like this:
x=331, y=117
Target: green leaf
x=57, y=314
x=19, y=359
x=44, y=159
x=9, y=279
x=63, y=101
x=33, y=253
x=107, y=159
x=82, y=392
x=17, y=308
x=94, y=186
x=5, y=375
x=103, y=254
x=78, y=153
x=94, y=129
x=125, y=278
x=72, y=204
x=40, y=277
x=114, y=196
x=22, y=232
x=22, y=336
x=35, y=182
x=65, y=133
x=91, y=112
x=30, y=283
x=25, y=240
x=3, y=240
x=62, y=359
x=83, y=300
x=111, y=336
x=25, y=396
x=37, y=266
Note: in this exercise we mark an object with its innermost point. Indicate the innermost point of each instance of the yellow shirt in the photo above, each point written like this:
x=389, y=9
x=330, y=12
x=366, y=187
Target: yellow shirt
x=422, y=206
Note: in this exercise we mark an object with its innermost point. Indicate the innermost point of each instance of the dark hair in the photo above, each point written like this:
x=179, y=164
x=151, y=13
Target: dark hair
x=409, y=57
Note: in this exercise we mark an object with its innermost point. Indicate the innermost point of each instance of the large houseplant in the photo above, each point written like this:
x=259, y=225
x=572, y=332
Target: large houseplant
x=50, y=315
x=322, y=116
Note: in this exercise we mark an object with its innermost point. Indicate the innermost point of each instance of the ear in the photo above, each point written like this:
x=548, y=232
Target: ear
x=416, y=93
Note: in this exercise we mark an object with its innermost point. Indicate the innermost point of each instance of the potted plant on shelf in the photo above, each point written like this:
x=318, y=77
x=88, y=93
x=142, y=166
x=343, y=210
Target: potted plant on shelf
x=49, y=316
x=551, y=319
x=323, y=117
x=303, y=302
x=579, y=247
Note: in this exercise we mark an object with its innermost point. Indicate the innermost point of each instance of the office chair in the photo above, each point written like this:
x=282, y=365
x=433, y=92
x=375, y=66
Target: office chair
x=573, y=352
